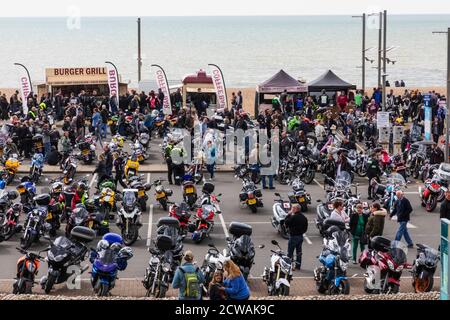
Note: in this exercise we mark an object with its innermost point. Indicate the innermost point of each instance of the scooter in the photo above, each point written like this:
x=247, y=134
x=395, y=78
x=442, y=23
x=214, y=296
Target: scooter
x=280, y=210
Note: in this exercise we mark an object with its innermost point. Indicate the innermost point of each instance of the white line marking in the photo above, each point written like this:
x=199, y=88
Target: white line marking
x=149, y=232
x=307, y=239
x=149, y=175
x=411, y=192
x=318, y=183
x=224, y=226
x=355, y=275
x=94, y=178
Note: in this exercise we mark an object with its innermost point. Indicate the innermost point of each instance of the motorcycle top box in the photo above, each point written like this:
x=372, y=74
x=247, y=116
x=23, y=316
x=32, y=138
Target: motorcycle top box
x=42, y=199
x=333, y=223
x=208, y=188
x=238, y=229
x=168, y=221
x=82, y=234
x=380, y=244
x=164, y=242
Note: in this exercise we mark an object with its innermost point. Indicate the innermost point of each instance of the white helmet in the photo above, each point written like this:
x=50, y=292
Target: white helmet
x=102, y=245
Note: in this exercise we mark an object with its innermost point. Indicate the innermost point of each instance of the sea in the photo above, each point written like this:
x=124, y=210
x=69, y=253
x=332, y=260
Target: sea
x=249, y=50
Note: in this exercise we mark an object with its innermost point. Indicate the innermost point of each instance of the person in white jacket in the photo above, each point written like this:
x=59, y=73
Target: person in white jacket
x=338, y=213
x=320, y=131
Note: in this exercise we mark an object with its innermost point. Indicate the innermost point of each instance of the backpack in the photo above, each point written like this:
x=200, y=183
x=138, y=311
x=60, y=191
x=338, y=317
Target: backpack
x=192, y=289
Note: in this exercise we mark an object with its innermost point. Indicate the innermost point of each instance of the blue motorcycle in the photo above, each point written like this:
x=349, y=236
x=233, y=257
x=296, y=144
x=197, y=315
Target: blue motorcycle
x=27, y=191
x=331, y=277
x=37, y=165
x=110, y=257
x=386, y=193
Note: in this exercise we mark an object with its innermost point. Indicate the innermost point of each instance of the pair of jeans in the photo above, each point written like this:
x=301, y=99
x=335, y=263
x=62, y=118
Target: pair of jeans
x=210, y=169
x=263, y=178
x=47, y=149
x=103, y=130
x=355, y=241
x=295, y=244
x=403, y=232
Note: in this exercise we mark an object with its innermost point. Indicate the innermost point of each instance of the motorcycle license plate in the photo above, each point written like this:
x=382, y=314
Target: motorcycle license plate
x=91, y=224
x=301, y=199
x=160, y=195
x=21, y=190
x=189, y=190
x=85, y=152
x=251, y=201
x=141, y=193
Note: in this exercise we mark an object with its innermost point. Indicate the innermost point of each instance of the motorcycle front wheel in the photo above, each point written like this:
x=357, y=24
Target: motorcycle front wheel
x=26, y=242
x=393, y=288
x=131, y=236
x=284, y=290
x=49, y=283
x=431, y=204
x=163, y=203
x=309, y=177
x=253, y=208
x=343, y=288
x=423, y=284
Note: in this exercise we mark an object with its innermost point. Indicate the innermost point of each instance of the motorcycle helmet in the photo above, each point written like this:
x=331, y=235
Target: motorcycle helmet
x=17, y=207
x=116, y=246
x=126, y=253
x=196, y=236
x=102, y=245
x=298, y=185
x=57, y=187
x=82, y=186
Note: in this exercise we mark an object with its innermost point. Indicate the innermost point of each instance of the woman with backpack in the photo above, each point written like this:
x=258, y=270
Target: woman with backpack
x=188, y=279
x=234, y=284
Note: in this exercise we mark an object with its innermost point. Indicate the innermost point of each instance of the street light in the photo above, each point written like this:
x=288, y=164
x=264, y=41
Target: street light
x=363, y=82
x=448, y=92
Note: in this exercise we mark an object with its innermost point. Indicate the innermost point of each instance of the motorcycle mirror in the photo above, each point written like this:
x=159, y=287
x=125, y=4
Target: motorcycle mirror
x=228, y=238
x=211, y=245
x=219, y=195
x=318, y=201
x=274, y=242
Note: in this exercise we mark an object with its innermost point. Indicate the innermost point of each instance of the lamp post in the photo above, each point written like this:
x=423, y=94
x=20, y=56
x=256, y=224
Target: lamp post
x=363, y=81
x=139, y=50
x=447, y=117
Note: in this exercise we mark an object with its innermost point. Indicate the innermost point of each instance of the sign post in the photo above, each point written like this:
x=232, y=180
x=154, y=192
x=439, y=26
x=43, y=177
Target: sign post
x=445, y=269
x=426, y=100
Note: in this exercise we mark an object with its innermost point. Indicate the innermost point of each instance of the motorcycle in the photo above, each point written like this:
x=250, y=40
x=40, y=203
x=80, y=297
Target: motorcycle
x=181, y=213
x=195, y=171
x=131, y=168
x=87, y=149
x=107, y=198
x=80, y=217
x=250, y=195
x=250, y=171
x=129, y=217
x=144, y=140
x=138, y=152
x=386, y=193
x=27, y=191
x=432, y=193
x=27, y=269
x=424, y=267
x=162, y=194
x=166, y=257
x=11, y=167
x=189, y=192
x=278, y=276
x=64, y=254
x=213, y=261
x=107, y=260
x=331, y=277
x=280, y=211
x=241, y=248
x=142, y=188
x=9, y=222
x=299, y=196
x=37, y=164
x=384, y=264
x=69, y=168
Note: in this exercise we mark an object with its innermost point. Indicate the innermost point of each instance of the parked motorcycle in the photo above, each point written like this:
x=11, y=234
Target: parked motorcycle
x=331, y=277
x=9, y=222
x=432, y=193
x=280, y=210
x=80, y=217
x=189, y=192
x=182, y=214
x=250, y=195
x=213, y=261
x=107, y=260
x=278, y=276
x=142, y=188
x=424, y=267
x=162, y=194
x=27, y=191
x=384, y=264
x=87, y=149
x=37, y=164
x=37, y=222
x=299, y=195
x=69, y=169
x=11, y=167
x=129, y=217
x=27, y=269
x=241, y=248
x=64, y=254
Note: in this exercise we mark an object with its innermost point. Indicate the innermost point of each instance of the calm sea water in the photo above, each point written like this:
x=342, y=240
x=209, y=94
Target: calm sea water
x=248, y=49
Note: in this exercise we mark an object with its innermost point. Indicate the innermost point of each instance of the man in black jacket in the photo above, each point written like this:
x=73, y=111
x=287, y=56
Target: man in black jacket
x=297, y=225
x=445, y=206
x=402, y=210
x=373, y=173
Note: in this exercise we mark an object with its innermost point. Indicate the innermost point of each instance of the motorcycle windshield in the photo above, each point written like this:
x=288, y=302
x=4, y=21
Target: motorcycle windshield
x=399, y=252
x=244, y=247
x=344, y=179
x=129, y=198
x=62, y=242
x=396, y=178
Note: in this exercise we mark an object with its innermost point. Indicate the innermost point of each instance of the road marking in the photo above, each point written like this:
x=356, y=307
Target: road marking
x=409, y=225
x=149, y=232
x=355, y=275
x=411, y=192
x=224, y=226
x=149, y=175
x=94, y=177
x=307, y=239
x=318, y=183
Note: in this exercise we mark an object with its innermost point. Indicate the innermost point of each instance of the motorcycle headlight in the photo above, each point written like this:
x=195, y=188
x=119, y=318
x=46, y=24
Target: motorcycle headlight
x=78, y=220
x=391, y=265
x=166, y=267
x=154, y=260
x=57, y=258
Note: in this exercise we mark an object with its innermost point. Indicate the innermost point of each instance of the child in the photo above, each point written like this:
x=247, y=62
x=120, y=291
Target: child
x=215, y=292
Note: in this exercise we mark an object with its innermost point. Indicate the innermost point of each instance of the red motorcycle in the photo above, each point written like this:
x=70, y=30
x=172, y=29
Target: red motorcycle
x=432, y=193
x=181, y=213
x=384, y=264
x=9, y=222
x=204, y=223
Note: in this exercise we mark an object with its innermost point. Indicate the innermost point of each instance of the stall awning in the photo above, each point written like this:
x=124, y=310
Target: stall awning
x=329, y=81
x=279, y=82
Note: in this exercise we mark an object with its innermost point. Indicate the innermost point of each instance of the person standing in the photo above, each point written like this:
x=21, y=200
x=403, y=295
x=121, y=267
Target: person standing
x=215, y=290
x=297, y=225
x=375, y=223
x=445, y=206
x=402, y=209
x=188, y=279
x=210, y=153
x=338, y=213
x=358, y=222
x=104, y=113
x=373, y=173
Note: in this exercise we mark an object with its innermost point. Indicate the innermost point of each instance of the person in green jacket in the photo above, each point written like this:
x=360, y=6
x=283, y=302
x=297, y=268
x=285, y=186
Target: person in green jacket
x=294, y=123
x=358, y=221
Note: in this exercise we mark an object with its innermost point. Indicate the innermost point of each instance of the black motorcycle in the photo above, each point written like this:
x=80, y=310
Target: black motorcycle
x=241, y=247
x=65, y=256
x=424, y=267
x=250, y=195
